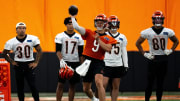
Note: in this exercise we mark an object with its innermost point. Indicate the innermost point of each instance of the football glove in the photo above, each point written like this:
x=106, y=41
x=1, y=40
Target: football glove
x=66, y=73
x=62, y=63
x=149, y=56
x=168, y=51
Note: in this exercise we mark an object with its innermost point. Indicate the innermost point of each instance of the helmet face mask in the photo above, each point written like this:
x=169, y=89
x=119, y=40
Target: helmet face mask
x=158, y=18
x=100, y=21
x=113, y=23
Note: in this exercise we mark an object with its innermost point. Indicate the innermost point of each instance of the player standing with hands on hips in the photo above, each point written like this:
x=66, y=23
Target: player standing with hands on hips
x=157, y=56
x=97, y=43
x=24, y=63
x=116, y=61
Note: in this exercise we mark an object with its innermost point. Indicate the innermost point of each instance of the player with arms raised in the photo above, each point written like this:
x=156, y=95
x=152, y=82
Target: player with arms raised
x=97, y=43
x=157, y=37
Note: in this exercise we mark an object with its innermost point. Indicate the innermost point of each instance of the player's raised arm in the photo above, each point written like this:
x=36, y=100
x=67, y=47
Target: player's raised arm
x=80, y=29
x=73, y=10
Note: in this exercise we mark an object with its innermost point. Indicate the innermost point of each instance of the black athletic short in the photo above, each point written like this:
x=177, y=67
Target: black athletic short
x=158, y=66
x=114, y=72
x=96, y=67
x=76, y=78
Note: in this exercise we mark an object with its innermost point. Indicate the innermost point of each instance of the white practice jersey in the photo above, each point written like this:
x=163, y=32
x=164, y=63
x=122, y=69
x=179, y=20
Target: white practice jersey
x=69, y=46
x=157, y=42
x=114, y=58
x=23, y=50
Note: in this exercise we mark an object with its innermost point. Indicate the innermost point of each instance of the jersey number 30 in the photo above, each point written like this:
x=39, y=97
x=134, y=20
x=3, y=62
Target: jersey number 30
x=26, y=51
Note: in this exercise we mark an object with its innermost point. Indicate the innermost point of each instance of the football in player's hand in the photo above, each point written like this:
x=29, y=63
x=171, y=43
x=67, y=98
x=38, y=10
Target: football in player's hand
x=73, y=10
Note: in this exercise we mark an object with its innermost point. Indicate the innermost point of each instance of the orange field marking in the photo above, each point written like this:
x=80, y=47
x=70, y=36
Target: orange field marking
x=166, y=97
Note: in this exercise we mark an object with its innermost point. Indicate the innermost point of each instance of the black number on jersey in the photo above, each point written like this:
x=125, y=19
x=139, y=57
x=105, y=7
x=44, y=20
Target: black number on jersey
x=73, y=48
x=116, y=49
x=156, y=46
x=26, y=51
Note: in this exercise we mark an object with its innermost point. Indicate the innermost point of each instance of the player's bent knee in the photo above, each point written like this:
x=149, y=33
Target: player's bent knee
x=99, y=83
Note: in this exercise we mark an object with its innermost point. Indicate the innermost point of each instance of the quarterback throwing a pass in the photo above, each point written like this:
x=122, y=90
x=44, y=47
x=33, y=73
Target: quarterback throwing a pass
x=97, y=43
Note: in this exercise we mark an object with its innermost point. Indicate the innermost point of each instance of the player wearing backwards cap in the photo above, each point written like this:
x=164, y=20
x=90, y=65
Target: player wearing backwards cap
x=116, y=61
x=97, y=43
x=69, y=47
x=24, y=63
x=157, y=37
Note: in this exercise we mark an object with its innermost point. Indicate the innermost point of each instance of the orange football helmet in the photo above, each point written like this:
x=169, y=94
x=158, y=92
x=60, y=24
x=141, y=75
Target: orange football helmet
x=113, y=21
x=100, y=17
x=158, y=18
x=66, y=73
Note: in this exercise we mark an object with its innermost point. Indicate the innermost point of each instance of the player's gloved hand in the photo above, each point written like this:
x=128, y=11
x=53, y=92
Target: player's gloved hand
x=62, y=63
x=168, y=51
x=149, y=56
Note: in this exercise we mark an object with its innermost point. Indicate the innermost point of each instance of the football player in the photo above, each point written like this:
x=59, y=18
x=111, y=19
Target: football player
x=116, y=61
x=24, y=63
x=69, y=47
x=97, y=43
x=157, y=37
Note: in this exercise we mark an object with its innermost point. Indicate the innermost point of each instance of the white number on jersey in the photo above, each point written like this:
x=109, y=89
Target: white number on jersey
x=96, y=48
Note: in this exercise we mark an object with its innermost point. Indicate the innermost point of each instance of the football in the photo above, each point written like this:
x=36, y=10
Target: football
x=73, y=10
